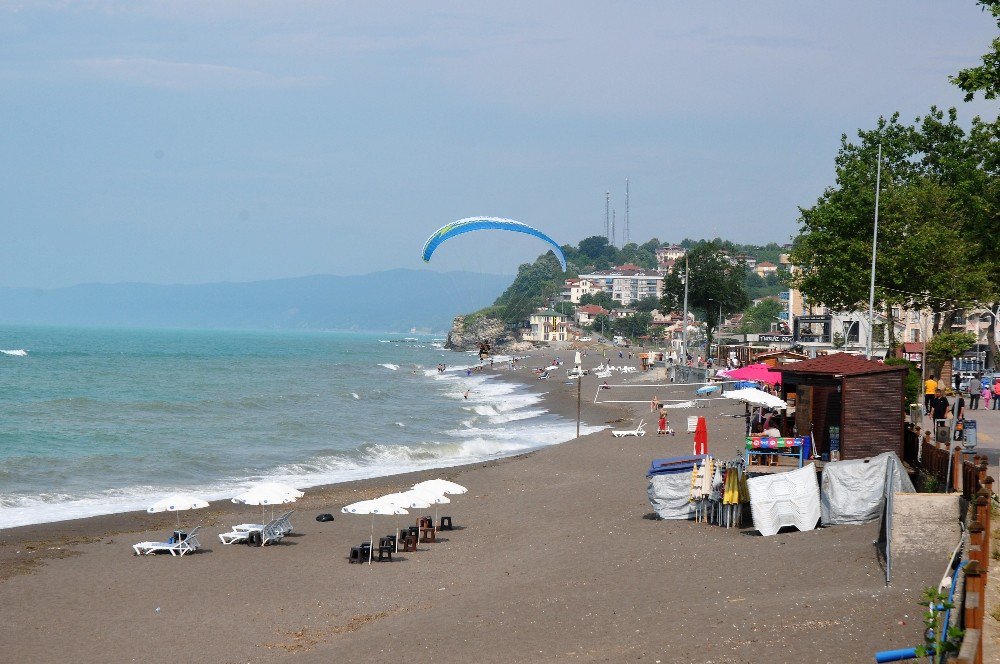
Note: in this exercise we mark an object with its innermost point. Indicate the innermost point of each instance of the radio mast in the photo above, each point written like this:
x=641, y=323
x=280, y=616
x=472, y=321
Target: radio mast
x=612, y=238
x=627, y=237
x=607, y=215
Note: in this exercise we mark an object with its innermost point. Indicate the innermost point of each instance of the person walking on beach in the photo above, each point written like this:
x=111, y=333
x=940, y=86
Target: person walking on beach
x=654, y=405
x=930, y=387
x=996, y=395
x=987, y=395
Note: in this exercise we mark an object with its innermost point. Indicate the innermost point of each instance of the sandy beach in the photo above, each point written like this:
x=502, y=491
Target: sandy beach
x=556, y=556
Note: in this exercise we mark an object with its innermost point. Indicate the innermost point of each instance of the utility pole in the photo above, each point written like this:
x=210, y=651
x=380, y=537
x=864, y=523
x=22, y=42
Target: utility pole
x=627, y=237
x=871, y=291
x=684, y=322
x=612, y=238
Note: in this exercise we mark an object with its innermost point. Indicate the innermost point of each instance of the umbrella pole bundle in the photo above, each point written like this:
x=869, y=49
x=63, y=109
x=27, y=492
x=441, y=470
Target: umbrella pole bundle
x=719, y=492
x=702, y=476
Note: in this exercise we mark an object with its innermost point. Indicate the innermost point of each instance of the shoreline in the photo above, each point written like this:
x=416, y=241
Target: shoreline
x=520, y=378
x=69, y=531
x=555, y=558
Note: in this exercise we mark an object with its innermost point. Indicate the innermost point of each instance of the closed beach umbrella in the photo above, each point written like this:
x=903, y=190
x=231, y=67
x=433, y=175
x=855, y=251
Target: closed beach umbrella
x=373, y=507
x=701, y=437
x=707, y=389
x=268, y=493
x=177, y=503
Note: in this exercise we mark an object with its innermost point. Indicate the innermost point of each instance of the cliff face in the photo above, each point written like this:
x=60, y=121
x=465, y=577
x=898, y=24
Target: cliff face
x=467, y=336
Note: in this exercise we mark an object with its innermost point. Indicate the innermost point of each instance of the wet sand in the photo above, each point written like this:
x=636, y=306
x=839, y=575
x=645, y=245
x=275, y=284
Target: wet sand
x=555, y=557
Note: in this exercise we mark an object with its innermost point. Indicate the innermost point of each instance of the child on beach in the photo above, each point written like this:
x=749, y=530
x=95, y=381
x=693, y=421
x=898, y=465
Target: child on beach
x=987, y=395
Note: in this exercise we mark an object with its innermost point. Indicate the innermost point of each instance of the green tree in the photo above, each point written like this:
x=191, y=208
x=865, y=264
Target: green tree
x=601, y=299
x=597, y=251
x=946, y=345
x=985, y=77
x=534, y=283
x=714, y=281
x=646, y=304
x=758, y=318
x=931, y=220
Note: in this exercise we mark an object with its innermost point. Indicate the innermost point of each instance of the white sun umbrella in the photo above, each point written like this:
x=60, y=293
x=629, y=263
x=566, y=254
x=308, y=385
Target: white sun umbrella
x=756, y=397
x=440, y=486
x=578, y=360
x=434, y=496
x=373, y=507
x=177, y=503
x=268, y=493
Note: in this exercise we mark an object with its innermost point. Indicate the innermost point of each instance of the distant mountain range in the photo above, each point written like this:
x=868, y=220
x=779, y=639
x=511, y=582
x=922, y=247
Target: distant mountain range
x=390, y=301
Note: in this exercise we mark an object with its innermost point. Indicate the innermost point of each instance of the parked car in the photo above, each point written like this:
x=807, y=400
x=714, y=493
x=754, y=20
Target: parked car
x=586, y=339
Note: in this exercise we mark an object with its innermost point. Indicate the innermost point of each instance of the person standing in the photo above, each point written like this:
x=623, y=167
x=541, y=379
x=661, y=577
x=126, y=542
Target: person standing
x=996, y=395
x=930, y=387
x=975, y=388
x=939, y=406
x=958, y=408
x=987, y=396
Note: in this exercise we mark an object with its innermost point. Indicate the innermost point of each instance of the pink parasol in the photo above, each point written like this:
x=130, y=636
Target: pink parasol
x=758, y=372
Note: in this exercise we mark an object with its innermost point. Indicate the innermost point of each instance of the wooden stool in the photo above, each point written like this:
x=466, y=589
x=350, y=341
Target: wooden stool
x=445, y=523
x=425, y=522
x=427, y=535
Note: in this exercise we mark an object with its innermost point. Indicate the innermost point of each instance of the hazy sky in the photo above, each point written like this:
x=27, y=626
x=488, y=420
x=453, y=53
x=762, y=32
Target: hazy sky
x=179, y=142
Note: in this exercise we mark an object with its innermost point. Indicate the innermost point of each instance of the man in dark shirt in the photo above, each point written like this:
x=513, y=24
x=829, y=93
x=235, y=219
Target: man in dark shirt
x=939, y=405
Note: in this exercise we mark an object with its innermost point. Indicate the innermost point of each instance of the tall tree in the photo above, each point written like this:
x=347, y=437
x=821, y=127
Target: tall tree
x=930, y=251
x=714, y=282
x=985, y=77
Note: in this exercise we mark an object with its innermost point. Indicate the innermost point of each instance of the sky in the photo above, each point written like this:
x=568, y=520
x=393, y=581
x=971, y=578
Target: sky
x=191, y=142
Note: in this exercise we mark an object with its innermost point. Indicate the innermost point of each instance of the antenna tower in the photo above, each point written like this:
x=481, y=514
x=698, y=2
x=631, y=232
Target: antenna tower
x=612, y=239
x=627, y=237
x=607, y=215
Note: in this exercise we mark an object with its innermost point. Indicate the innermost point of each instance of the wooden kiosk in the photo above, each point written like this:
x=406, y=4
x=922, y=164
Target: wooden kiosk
x=852, y=407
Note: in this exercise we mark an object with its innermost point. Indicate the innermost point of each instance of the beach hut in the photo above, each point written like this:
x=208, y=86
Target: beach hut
x=852, y=407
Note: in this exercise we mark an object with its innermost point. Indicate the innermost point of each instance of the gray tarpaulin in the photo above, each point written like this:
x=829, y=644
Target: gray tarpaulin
x=670, y=495
x=853, y=491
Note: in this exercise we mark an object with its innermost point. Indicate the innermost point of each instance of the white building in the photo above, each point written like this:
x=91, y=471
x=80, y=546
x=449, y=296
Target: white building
x=547, y=325
x=574, y=289
x=626, y=283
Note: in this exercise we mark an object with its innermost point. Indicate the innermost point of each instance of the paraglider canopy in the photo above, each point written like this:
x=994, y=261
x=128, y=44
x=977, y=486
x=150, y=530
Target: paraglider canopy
x=470, y=224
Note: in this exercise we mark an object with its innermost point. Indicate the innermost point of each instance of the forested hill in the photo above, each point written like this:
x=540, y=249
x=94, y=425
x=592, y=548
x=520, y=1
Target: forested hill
x=542, y=279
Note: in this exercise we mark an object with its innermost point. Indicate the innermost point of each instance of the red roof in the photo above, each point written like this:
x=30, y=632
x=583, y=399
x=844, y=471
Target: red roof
x=916, y=347
x=839, y=364
x=766, y=264
x=592, y=309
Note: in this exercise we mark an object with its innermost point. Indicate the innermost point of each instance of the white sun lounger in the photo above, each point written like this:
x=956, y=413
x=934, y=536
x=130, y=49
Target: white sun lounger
x=186, y=545
x=270, y=533
x=638, y=431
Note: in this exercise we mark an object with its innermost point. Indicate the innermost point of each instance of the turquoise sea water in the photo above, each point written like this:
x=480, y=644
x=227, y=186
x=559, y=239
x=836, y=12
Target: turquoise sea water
x=101, y=421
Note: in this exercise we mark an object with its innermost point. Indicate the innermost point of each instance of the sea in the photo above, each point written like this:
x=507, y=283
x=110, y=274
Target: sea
x=100, y=421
